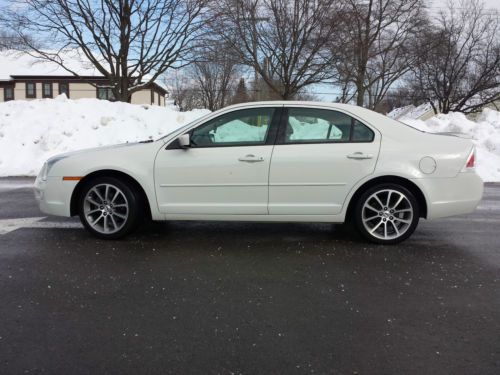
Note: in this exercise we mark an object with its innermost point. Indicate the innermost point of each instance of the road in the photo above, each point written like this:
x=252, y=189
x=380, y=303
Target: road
x=230, y=298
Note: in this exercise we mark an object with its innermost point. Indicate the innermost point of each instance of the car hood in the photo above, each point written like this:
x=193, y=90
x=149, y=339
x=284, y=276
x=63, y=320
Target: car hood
x=119, y=157
x=89, y=150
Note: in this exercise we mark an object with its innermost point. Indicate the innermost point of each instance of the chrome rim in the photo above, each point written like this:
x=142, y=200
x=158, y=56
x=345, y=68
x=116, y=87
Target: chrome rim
x=387, y=214
x=106, y=208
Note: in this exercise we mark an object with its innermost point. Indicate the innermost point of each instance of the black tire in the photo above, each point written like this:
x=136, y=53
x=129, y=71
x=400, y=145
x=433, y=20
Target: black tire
x=384, y=220
x=129, y=196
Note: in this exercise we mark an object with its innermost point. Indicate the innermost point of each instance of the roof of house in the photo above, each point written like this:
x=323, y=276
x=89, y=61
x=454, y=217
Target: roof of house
x=15, y=63
x=20, y=65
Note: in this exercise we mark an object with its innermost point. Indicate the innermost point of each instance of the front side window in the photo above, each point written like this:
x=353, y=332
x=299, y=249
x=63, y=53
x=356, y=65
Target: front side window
x=47, y=90
x=31, y=90
x=244, y=127
x=8, y=93
x=64, y=89
x=311, y=125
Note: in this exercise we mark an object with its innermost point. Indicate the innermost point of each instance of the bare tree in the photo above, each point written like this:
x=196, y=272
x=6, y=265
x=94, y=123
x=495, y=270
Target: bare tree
x=184, y=90
x=130, y=42
x=9, y=40
x=241, y=93
x=284, y=41
x=374, y=46
x=216, y=76
x=458, y=67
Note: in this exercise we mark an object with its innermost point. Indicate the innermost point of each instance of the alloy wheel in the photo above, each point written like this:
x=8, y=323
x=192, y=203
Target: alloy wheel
x=106, y=208
x=387, y=214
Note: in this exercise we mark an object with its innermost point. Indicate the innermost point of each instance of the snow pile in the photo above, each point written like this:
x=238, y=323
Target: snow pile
x=484, y=131
x=237, y=131
x=317, y=130
x=33, y=131
x=410, y=111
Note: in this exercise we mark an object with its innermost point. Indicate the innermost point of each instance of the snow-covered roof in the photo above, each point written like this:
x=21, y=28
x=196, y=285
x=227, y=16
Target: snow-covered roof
x=15, y=63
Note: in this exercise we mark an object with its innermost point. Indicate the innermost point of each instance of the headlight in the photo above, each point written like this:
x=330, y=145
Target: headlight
x=48, y=165
x=43, y=173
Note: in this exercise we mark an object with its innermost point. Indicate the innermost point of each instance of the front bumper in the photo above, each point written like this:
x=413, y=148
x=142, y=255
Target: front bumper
x=54, y=195
x=451, y=196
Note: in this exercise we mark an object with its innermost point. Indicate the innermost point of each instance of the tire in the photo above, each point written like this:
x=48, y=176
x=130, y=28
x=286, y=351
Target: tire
x=387, y=214
x=109, y=208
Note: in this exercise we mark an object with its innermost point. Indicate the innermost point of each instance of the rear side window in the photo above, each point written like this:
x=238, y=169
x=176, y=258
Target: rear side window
x=311, y=125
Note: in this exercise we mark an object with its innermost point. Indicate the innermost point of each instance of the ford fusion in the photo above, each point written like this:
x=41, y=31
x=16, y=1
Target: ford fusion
x=270, y=161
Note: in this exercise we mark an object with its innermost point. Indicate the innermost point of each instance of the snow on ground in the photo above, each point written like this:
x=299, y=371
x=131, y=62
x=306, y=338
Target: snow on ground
x=33, y=131
x=484, y=131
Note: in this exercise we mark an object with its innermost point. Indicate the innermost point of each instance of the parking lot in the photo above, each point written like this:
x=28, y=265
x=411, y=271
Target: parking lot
x=231, y=298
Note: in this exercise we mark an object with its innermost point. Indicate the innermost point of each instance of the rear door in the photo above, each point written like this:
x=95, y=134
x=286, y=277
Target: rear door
x=320, y=154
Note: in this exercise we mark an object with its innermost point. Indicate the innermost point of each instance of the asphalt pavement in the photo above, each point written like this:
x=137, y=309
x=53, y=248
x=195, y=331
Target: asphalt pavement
x=247, y=298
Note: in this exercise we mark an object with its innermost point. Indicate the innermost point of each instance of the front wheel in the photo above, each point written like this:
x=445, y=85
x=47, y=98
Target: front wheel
x=108, y=208
x=387, y=214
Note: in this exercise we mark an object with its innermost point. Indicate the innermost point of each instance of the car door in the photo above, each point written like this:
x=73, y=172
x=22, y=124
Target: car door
x=319, y=156
x=226, y=168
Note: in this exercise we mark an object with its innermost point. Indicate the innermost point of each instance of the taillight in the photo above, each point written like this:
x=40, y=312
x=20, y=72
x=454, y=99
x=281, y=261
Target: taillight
x=471, y=160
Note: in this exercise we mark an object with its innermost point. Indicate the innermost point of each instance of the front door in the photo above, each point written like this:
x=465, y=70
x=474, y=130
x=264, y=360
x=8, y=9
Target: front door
x=224, y=171
x=319, y=156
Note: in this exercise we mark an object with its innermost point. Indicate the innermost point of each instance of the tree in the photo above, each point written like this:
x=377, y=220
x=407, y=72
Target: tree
x=374, y=43
x=184, y=91
x=130, y=42
x=241, y=93
x=215, y=74
x=284, y=41
x=458, y=66
x=9, y=40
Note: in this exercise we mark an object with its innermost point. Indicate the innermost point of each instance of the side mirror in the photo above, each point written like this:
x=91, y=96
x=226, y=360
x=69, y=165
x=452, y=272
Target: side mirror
x=184, y=141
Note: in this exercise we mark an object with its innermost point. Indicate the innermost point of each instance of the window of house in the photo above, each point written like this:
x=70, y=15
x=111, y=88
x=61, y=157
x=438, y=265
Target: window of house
x=8, y=93
x=46, y=90
x=105, y=93
x=64, y=89
x=30, y=89
x=311, y=125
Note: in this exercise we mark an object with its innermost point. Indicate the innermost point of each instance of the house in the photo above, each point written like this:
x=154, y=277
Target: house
x=24, y=77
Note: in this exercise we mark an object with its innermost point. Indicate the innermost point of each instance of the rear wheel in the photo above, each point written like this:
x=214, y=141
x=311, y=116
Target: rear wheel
x=387, y=214
x=109, y=208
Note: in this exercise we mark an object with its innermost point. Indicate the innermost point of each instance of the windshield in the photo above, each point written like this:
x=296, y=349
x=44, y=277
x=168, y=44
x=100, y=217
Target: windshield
x=182, y=128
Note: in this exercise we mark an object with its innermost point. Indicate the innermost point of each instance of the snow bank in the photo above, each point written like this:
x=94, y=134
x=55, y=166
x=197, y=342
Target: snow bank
x=485, y=132
x=33, y=131
x=410, y=111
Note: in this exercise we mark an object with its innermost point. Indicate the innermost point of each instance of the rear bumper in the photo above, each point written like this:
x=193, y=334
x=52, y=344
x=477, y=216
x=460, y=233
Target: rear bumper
x=451, y=196
x=54, y=195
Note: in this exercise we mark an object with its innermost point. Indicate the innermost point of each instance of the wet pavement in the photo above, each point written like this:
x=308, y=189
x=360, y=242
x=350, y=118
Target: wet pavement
x=230, y=298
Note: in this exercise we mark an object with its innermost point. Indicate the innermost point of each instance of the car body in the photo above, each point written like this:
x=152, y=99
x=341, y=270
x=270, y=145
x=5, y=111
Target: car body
x=272, y=161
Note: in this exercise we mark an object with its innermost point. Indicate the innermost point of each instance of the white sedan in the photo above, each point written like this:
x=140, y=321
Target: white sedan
x=270, y=161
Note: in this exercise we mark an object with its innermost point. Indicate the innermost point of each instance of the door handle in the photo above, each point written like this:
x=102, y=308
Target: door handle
x=359, y=156
x=251, y=158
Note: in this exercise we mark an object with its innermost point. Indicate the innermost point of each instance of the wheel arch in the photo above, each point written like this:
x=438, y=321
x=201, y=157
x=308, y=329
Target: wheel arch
x=109, y=173
x=417, y=192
